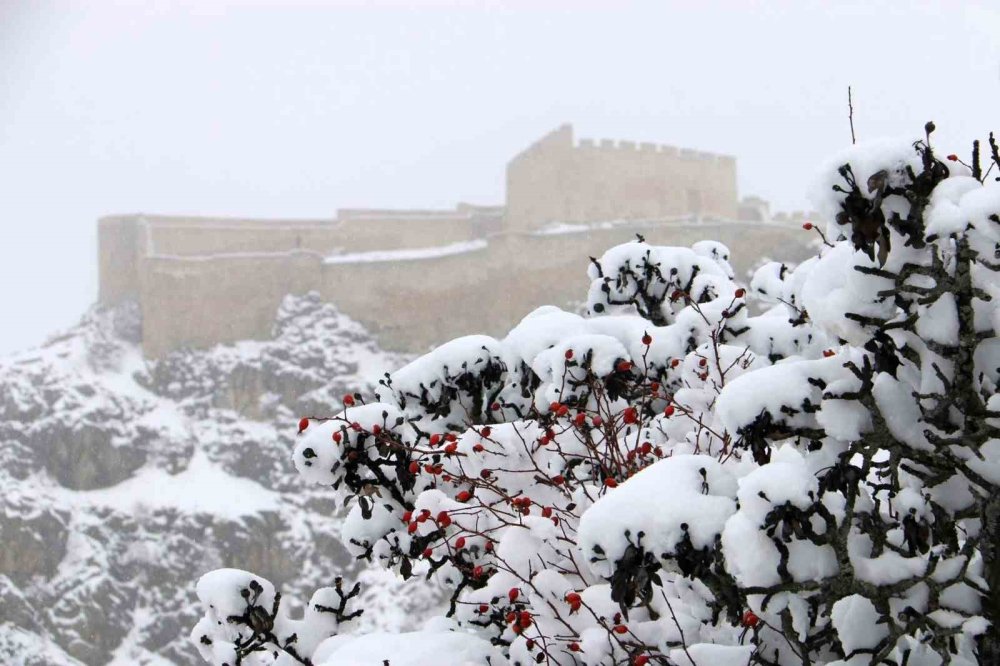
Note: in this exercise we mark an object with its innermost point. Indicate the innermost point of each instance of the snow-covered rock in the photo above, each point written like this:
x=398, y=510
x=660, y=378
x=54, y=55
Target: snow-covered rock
x=123, y=480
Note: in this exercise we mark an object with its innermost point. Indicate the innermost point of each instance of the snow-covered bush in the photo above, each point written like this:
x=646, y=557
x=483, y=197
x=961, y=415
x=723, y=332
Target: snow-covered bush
x=673, y=480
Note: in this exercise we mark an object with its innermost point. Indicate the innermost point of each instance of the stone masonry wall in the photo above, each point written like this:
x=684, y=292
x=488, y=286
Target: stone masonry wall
x=202, y=281
x=410, y=303
x=556, y=180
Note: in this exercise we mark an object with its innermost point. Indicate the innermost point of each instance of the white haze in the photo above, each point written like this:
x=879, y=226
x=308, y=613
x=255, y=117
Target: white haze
x=298, y=108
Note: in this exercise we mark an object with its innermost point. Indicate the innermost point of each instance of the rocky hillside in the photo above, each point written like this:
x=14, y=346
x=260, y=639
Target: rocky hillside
x=124, y=480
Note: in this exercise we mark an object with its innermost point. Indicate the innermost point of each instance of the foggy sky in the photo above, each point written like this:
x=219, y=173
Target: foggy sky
x=281, y=109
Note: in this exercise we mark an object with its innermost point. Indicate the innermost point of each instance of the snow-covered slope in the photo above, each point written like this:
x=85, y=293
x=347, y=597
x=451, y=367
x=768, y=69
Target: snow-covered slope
x=123, y=481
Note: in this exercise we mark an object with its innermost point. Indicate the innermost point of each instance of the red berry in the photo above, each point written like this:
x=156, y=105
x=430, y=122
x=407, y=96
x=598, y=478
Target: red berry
x=443, y=519
x=703, y=362
x=524, y=619
x=486, y=432
x=562, y=411
x=610, y=482
x=750, y=619
x=407, y=516
x=572, y=598
x=574, y=647
x=740, y=293
x=485, y=474
x=459, y=543
x=376, y=429
x=620, y=629
x=427, y=553
x=646, y=448
x=597, y=421
x=435, y=439
x=640, y=660
x=477, y=448
x=828, y=353
x=674, y=363
x=630, y=415
x=568, y=354
x=495, y=406
x=349, y=400
x=414, y=467
x=558, y=479
x=953, y=158
x=356, y=427
x=483, y=608
x=579, y=420
x=450, y=437
x=477, y=571
x=303, y=424
x=547, y=512
x=513, y=594
x=647, y=339
x=624, y=366
x=807, y=226
x=337, y=437
x=451, y=448
x=489, y=546
x=463, y=496
x=411, y=528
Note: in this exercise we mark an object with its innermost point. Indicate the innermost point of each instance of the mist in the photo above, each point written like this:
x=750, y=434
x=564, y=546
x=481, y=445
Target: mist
x=274, y=109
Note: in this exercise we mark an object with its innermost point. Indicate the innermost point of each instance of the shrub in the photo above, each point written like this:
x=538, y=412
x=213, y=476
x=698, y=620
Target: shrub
x=674, y=480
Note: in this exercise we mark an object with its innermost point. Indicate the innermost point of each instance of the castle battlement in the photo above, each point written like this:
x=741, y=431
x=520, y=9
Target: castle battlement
x=645, y=148
x=419, y=276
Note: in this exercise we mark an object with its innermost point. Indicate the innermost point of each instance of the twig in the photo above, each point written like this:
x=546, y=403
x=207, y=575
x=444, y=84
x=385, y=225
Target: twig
x=850, y=114
x=677, y=624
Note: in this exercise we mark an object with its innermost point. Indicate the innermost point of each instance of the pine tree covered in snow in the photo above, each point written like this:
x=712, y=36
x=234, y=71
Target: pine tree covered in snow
x=672, y=479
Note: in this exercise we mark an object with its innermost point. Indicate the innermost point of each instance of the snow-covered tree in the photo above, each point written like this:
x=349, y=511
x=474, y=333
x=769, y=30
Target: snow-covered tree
x=673, y=479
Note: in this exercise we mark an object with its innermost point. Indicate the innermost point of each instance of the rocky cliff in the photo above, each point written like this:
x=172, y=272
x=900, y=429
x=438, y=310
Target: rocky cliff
x=124, y=480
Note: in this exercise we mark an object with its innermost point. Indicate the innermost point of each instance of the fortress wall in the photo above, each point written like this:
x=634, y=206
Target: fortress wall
x=538, y=190
x=189, y=241
x=117, y=258
x=195, y=303
x=557, y=181
x=202, y=281
x=396, y=233
x=414, y=305
x=354, y=231
x=552, y=269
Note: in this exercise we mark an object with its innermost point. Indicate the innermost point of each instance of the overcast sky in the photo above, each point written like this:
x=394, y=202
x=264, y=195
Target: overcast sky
x=298, y=108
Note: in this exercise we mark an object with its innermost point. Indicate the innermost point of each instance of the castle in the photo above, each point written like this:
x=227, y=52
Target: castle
x=420, y=277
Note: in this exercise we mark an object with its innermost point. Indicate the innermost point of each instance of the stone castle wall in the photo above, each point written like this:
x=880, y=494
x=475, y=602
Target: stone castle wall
x=558, y=180
x=419, y=277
